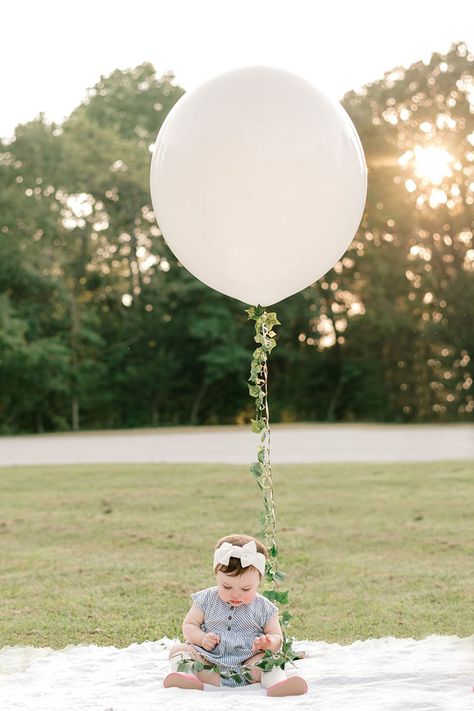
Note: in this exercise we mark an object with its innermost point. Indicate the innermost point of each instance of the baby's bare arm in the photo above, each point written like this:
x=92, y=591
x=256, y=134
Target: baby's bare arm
x=192, y=625
x=192, y=629
x=272, y=637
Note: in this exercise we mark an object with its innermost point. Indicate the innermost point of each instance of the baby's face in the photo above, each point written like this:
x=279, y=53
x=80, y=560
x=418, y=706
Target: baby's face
x=238, y=590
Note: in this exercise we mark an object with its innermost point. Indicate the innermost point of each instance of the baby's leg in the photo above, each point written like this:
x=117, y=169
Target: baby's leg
x=276, y=682
x=255, y=671
x=187, y=650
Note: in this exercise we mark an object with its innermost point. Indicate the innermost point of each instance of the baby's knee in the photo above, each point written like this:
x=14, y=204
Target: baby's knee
x=180, y=648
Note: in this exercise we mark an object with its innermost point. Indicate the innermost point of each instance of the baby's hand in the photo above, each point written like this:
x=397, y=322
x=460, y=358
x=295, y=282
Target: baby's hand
x=210, y=640
x=261, y=643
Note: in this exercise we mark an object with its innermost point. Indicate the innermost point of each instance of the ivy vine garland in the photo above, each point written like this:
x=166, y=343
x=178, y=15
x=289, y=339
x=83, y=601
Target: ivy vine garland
x=262, y=471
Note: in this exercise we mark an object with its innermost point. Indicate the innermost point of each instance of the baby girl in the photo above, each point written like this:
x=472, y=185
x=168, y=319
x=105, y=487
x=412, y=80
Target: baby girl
x=231, y=625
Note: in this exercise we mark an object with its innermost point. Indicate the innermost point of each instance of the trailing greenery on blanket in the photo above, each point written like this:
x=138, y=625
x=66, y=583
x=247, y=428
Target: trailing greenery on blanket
x=243, y=673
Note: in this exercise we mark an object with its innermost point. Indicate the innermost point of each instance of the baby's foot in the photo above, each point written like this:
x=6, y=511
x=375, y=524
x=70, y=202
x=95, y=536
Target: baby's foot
x=183, y=681
x=292, y=686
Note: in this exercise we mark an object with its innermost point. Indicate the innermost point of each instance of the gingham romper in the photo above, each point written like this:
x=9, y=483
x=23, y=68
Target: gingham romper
x=237, y=627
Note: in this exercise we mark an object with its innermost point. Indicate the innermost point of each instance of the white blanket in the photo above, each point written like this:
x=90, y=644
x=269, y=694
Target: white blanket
x=433, y=674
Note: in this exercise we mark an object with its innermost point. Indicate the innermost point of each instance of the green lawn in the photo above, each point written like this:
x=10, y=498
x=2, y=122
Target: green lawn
x=108, y=554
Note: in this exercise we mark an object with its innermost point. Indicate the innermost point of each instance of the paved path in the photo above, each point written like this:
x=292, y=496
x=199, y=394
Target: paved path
x=290, y=444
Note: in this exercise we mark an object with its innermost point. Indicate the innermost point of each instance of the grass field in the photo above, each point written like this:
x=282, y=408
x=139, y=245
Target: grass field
x=109, y=554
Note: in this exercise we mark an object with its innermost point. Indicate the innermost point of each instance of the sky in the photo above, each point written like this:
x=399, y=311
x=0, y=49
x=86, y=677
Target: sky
x=51, y=51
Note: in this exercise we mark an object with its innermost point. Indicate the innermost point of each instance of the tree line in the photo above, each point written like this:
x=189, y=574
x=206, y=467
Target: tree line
x=101, y=326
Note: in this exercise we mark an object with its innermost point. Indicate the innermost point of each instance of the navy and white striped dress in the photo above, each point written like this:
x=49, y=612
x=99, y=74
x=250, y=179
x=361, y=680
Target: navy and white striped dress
x=237, y=627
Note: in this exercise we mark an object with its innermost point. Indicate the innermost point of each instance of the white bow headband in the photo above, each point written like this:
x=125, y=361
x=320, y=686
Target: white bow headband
x=248, y=555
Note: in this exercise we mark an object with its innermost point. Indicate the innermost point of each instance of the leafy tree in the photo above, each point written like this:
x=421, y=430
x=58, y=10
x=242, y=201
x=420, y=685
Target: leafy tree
x=101, y=326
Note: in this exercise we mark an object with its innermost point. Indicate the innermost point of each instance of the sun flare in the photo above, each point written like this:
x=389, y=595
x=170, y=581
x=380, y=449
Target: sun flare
x=432, y=163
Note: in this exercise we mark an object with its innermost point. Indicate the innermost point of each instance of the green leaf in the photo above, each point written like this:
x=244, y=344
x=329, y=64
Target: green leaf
x=254, y=390
x=279, y=575
x=282, y=597
x=269, y=345
x=272, y=320
x=256, y=469
x=257, y=425
x=270, y=595
x=184, y=666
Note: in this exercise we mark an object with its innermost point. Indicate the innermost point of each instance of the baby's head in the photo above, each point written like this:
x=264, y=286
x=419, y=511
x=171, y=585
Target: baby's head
x=239, y=563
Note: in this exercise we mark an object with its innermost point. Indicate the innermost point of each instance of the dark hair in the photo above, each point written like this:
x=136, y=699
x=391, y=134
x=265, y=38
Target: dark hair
x=235, y=567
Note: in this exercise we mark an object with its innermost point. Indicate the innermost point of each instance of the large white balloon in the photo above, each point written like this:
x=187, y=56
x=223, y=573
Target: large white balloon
x=258, y=183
